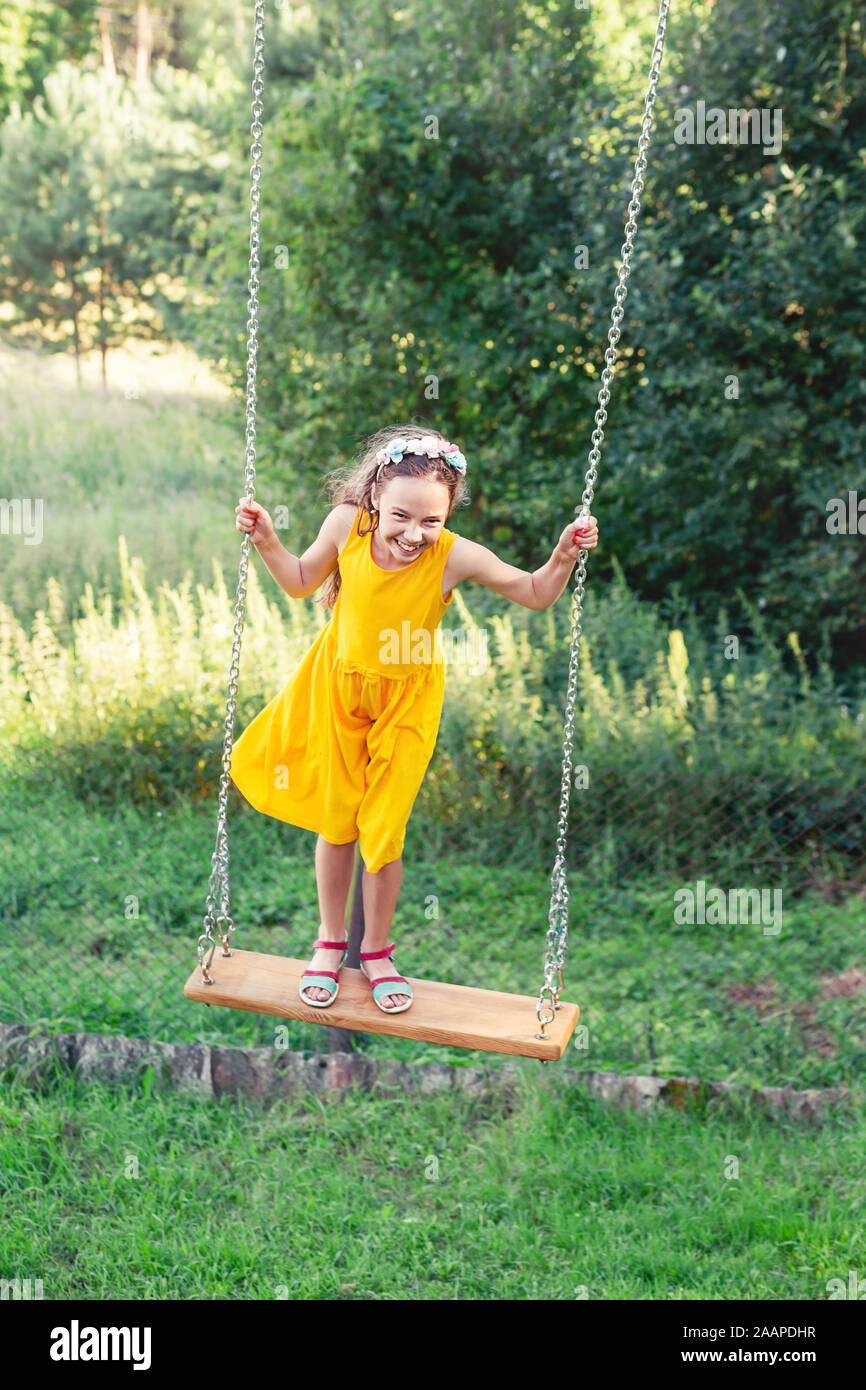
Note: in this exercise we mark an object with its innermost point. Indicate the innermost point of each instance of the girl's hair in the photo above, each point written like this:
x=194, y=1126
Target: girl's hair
x=355, y=483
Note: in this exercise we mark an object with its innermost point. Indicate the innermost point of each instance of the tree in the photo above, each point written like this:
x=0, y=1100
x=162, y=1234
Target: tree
x=91, y=253
x=425, y=191
x=34, y=36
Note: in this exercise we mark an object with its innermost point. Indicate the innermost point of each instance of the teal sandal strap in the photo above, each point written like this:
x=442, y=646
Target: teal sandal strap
x=319, y=982
x=392, y=987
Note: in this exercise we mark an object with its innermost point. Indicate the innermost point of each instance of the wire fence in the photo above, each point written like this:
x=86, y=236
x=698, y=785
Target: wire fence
x=697, y=848
x=809, y=835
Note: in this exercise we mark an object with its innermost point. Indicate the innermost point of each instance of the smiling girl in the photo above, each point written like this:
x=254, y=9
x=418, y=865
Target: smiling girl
x=343, y=749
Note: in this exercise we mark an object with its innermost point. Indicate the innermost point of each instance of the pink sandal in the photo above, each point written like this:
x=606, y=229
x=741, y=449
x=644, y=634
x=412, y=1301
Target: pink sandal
x=381, y=987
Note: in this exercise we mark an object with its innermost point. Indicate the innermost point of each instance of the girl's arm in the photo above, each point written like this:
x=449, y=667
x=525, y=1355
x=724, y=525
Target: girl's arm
x=538, y=589
x=302, y=575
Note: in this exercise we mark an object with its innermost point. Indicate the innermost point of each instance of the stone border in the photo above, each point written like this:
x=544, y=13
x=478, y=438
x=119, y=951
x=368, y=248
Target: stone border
x=270, y=1075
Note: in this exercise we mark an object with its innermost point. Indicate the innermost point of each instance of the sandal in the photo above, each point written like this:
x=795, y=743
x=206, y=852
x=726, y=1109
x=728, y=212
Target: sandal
x=381, y=986
x=324, y=979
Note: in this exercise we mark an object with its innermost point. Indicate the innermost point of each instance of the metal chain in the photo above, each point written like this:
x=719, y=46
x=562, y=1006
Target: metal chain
x=219, y=876
x=556, y=943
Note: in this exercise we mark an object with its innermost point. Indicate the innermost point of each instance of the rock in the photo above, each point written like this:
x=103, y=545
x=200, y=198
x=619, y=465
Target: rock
x=270, y=1074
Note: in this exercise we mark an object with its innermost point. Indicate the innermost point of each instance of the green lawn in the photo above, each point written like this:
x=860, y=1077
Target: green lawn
x=723, y=1003
x=120, y=1193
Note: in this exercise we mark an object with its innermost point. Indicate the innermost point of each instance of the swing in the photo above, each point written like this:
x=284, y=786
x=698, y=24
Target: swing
x=454, y=1015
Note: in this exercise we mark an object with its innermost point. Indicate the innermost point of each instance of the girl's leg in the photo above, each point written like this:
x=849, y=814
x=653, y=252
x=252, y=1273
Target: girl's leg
x=381, y=891
x=334, y=864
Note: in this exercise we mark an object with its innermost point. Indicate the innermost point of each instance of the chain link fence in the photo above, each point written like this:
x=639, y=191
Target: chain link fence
x=82, y=955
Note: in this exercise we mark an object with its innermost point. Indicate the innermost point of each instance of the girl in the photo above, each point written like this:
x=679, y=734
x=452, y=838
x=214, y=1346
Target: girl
x=343, y=749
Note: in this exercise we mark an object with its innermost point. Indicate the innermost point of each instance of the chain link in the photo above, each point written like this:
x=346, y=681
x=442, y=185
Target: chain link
x=556, y=943
x=218, y=886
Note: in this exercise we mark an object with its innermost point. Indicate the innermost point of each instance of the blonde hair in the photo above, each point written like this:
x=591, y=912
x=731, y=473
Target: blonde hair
x=354, y=484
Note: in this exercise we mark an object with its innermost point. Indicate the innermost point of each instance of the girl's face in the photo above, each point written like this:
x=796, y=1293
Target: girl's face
x=412, y=513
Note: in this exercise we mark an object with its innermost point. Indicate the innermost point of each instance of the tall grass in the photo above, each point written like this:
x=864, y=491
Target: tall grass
x=148, y=459
x=130, y=704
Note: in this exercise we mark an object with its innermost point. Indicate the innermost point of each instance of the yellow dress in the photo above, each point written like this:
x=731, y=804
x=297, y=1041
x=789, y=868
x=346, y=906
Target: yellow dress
x=343, y=748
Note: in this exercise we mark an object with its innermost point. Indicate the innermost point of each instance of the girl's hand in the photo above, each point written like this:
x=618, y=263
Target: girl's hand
x=252, y=519
x=574, y=538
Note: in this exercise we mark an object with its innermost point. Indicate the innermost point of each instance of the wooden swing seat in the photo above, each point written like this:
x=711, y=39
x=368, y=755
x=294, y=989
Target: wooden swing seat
x=456, y=1015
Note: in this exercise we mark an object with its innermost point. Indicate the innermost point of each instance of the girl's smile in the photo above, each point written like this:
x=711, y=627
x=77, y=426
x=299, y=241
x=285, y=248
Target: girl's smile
x=394, y=551
x=406, y=549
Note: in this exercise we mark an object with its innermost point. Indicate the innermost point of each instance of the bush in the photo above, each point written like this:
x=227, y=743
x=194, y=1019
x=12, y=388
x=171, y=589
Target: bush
x=679, y=753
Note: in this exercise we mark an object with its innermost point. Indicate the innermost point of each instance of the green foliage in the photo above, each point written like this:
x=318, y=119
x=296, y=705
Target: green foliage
x=128, y=708
x=111, y=173
x=429, y=176
x=749, y=270
x=34, y=36
x=405, y=257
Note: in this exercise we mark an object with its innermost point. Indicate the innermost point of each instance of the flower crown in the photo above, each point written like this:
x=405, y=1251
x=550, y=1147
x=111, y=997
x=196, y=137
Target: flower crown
x=393, y=452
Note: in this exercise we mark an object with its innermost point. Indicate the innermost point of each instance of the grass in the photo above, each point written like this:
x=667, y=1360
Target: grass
x=110, y=712
x=129, y=1193
x=155, y=467
x=100, y=912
